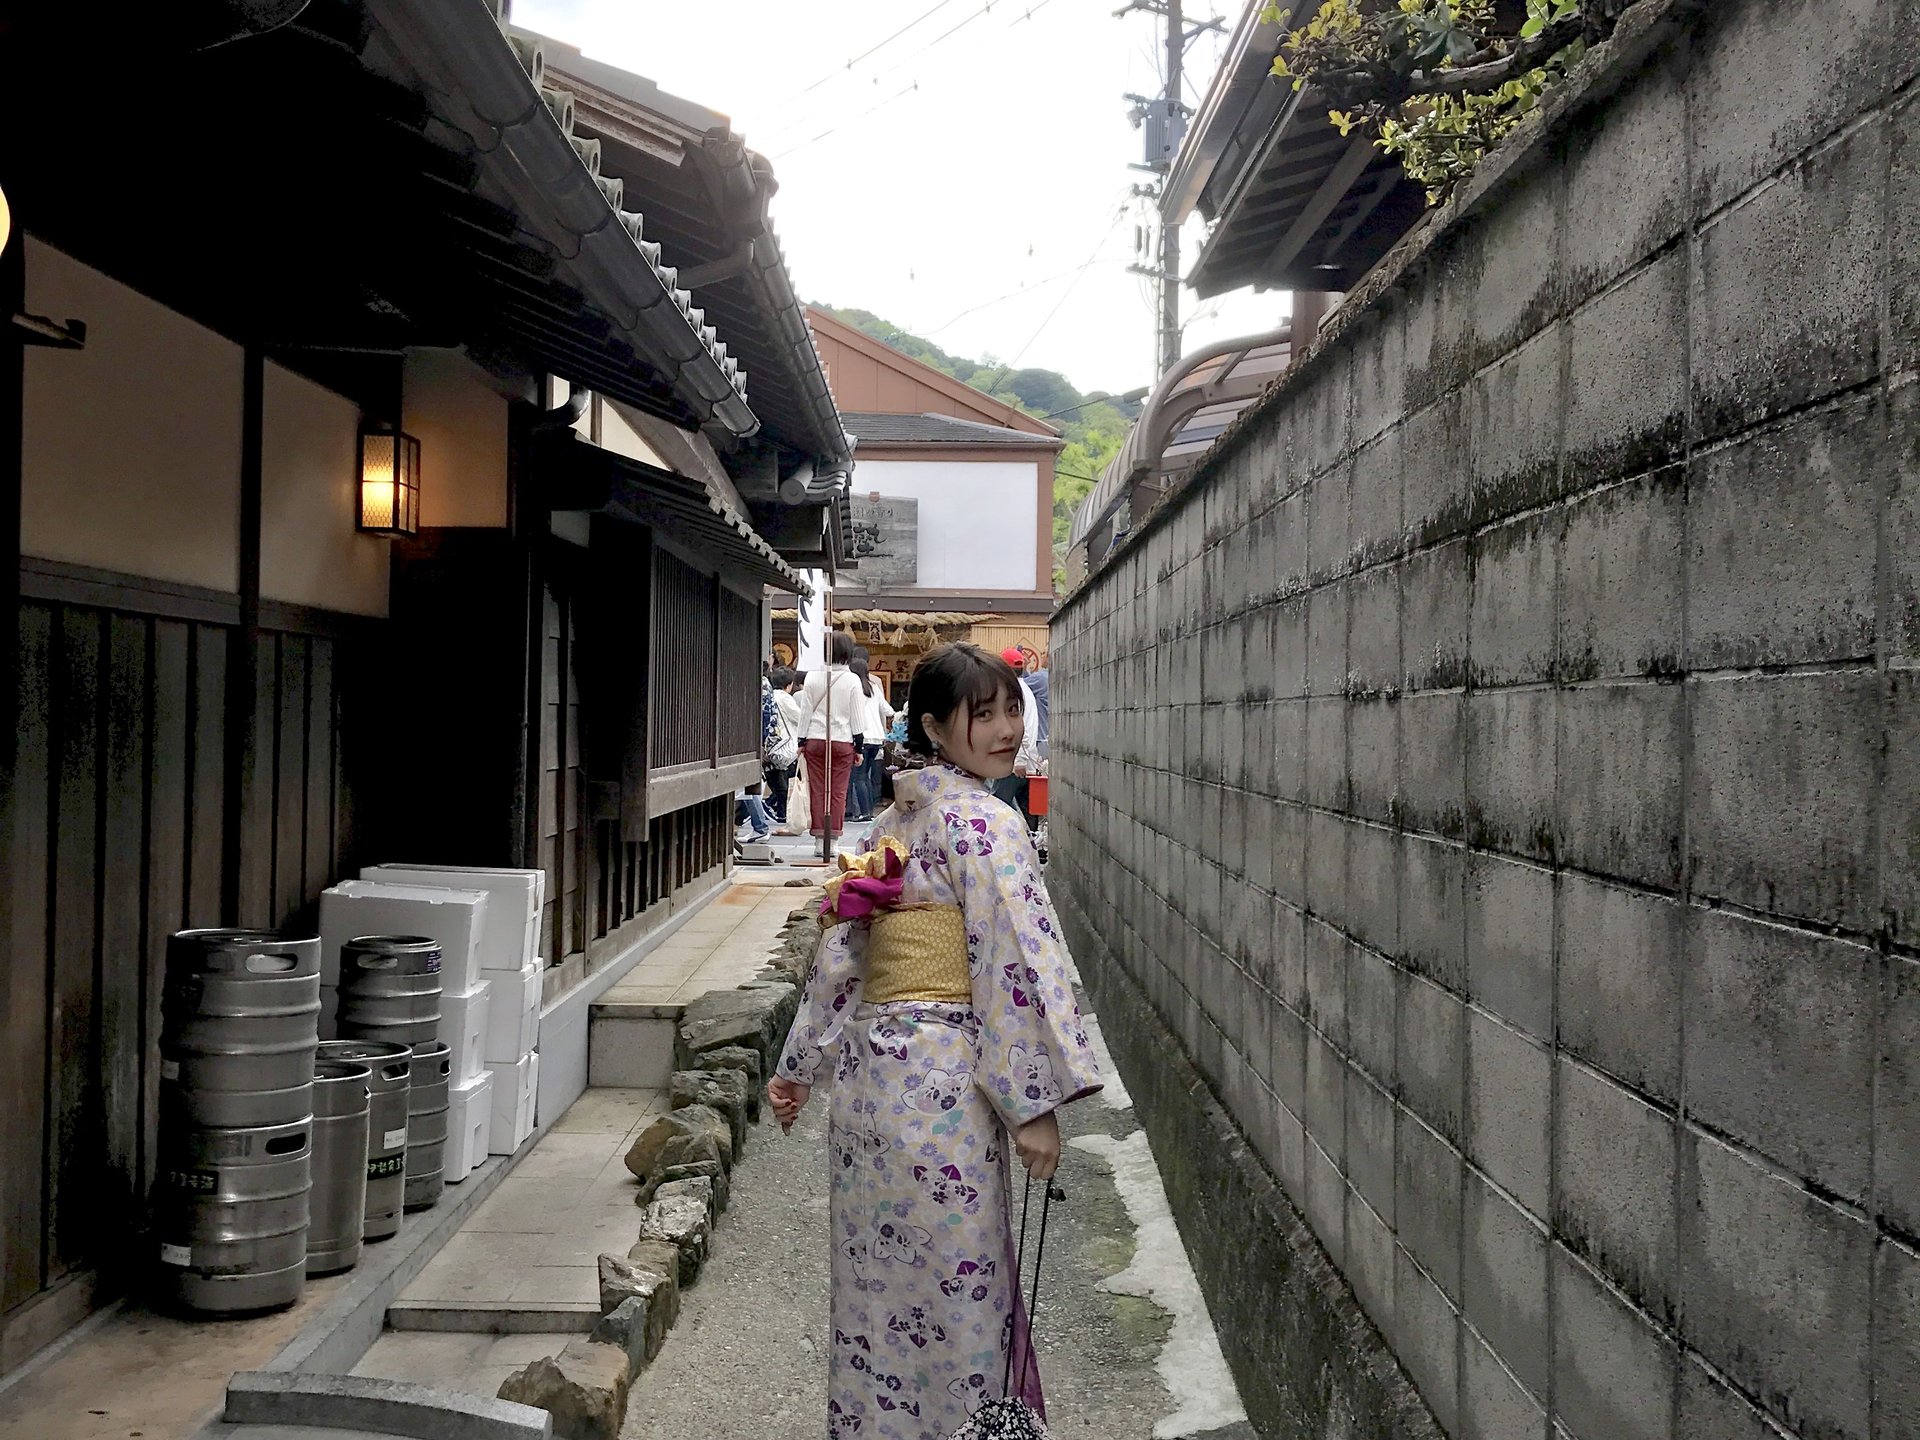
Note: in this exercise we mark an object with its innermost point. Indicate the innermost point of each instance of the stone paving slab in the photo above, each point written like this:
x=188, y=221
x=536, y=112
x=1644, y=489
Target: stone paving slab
x=538, y=1238
x=379, y=1406
x=723, y=946
x=494, y=1317
x=476, y=1364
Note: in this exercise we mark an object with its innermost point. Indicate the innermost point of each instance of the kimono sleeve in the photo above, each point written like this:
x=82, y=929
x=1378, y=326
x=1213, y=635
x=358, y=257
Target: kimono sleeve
x=1034, y=1054
x=832, y=994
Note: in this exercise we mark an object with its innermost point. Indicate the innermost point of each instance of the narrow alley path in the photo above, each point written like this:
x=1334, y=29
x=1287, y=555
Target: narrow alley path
x=748, y=1356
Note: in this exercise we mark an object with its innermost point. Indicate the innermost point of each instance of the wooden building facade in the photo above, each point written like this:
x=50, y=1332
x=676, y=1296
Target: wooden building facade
x=225, y=694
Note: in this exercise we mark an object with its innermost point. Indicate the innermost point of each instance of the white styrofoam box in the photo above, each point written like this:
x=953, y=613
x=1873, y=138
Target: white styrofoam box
x=469, y=1125
x=513, y=1096
x=513, y=1015
x=513, y=910
x=463, y=1026
x=455, y=918
x=329, y=1012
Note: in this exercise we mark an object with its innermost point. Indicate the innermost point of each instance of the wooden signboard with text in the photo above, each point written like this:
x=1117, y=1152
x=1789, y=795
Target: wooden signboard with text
x=886, y=543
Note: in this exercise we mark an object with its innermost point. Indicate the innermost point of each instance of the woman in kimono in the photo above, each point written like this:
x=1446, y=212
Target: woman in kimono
x=940, y=990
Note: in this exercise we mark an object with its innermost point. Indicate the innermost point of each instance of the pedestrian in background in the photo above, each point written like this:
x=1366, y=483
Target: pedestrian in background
x=782, y=754
x=876, y=720
x=1041, y=685
x=1013, y=788
x=751, y=822
x=831, y=705
x=859, y=802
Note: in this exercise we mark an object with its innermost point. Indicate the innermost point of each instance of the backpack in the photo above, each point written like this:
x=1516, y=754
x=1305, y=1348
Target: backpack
x=778, y=748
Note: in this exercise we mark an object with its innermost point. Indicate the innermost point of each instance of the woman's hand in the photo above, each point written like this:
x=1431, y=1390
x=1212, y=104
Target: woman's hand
x=787, y=1096
x=1037, y=1143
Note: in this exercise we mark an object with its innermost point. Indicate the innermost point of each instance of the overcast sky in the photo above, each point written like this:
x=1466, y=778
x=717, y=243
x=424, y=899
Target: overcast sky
x=986, y=208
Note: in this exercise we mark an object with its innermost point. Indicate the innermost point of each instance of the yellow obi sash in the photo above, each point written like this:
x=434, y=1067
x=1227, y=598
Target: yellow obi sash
x=918, y=952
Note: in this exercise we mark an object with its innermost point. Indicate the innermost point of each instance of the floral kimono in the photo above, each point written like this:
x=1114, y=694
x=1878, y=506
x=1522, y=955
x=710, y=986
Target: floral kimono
x=925, y=1094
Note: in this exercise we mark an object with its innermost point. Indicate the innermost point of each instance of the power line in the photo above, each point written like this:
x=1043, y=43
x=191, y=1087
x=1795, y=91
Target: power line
x=851, y=120
x=835, y=73
x=1027, y=14
x=1006, y=369
x=1015, y=294
x=1127, y=397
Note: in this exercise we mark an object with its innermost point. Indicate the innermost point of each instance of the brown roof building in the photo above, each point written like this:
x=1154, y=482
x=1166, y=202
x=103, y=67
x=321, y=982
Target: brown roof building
x=952, y=505
x=953, y=494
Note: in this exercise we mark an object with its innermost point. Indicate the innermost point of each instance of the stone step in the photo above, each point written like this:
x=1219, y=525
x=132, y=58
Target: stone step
x=630, y=1043
x=301, y=1403
x=495, y=1317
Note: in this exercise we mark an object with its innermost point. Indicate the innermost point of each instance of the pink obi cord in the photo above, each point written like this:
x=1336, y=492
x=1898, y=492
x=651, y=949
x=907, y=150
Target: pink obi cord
x=872, y=883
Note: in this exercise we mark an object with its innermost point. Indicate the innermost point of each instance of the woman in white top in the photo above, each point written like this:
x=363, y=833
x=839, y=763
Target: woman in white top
x=832, y=709
x=875, y=717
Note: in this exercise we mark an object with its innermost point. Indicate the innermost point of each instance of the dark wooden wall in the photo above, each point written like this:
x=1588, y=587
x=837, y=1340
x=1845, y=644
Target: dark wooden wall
x=564, y=832
x=739, y=677
x=627, y=877
x=683, y=638
x=605, y=671
x=117, y=831
x=452, y=777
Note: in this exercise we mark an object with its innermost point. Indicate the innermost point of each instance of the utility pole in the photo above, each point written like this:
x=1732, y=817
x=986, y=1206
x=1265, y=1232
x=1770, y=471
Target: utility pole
x=1170, y=234
x=1163, y=119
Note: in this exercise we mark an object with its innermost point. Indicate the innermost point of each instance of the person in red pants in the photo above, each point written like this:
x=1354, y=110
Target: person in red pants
x=832, y=707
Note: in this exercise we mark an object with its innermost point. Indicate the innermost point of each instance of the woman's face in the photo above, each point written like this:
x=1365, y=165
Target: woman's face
x=983, y=740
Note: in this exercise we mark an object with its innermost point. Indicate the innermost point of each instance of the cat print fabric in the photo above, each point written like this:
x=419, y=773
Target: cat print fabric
x=924, y=1097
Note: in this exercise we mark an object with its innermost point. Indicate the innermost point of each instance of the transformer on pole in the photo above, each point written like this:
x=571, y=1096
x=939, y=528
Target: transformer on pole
x=1162, y=121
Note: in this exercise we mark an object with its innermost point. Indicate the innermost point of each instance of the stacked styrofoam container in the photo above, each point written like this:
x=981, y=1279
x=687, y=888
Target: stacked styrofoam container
x=469, y=1126
x=510, y=965
x=455, y=917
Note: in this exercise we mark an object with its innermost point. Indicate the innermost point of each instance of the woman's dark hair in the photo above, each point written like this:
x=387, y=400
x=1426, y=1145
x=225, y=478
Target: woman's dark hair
x=781, y=678
x=951, y=678
x=841, y=652
x=859, y=667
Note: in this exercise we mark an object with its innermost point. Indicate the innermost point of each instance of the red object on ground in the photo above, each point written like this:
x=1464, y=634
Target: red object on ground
x=1036, y=794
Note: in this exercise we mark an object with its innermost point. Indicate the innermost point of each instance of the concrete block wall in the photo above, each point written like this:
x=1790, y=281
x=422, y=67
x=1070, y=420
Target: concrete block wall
x=1500, y=767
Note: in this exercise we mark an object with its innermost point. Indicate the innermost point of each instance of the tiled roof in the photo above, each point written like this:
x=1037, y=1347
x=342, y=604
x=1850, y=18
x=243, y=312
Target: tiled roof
x=486, y=87
x=876, y=429
x=705, y=197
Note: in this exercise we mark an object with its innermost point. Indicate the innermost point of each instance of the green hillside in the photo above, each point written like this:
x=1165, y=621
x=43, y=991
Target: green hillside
x=1093, y=423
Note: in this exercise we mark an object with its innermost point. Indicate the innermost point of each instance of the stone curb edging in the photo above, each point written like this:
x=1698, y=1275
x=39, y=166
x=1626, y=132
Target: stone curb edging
x=380, y=1407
